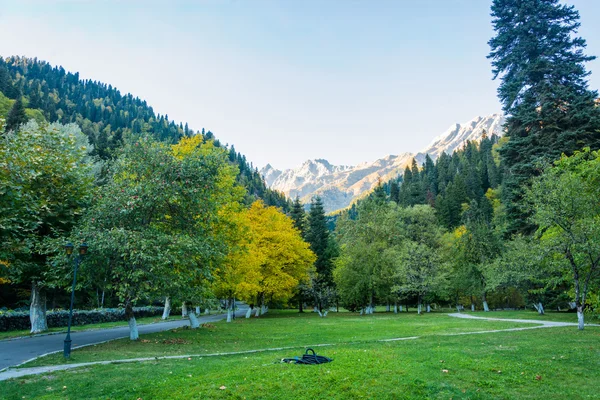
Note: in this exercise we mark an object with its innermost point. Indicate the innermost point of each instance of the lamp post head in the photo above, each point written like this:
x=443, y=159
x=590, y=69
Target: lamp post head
x=83, y=247
x=69, y=248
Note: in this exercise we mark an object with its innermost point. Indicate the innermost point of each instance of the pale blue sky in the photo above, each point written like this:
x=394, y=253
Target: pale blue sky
x=284, y=81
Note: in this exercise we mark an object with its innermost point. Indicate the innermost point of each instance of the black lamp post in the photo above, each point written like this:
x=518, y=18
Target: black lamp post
x=82, y=251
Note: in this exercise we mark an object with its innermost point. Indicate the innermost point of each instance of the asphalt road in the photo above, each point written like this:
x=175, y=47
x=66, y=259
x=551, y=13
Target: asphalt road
x=17, y=351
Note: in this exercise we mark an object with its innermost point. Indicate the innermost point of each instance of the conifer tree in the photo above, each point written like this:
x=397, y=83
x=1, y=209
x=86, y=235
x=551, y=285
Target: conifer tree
x=16, y=115
x=298, y=215
x=317, y=235
x=543, y=90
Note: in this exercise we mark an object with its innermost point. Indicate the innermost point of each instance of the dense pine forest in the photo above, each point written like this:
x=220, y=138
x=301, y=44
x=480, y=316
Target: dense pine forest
x=105, y=115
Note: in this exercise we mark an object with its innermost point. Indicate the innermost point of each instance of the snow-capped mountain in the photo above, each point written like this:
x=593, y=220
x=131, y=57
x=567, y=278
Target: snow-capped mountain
x=338, y=185
x=458, y=134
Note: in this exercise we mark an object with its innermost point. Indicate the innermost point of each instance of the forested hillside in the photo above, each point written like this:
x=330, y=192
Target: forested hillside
x=104, y=114
x=469, y=174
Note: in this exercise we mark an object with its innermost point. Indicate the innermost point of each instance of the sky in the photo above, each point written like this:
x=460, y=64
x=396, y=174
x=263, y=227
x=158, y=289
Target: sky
x=285, y=81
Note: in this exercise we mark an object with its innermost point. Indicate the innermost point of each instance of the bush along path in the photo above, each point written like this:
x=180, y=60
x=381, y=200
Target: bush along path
x=15, y=373
x=18, y=351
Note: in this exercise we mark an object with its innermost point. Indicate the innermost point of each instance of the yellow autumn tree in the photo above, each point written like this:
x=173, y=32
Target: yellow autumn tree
x=273, y=258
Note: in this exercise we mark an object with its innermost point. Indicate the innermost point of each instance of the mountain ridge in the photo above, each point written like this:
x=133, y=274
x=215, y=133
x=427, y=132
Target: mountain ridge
x=339, y=185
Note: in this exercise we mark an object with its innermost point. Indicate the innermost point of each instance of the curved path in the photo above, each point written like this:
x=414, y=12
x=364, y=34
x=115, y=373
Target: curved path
x=544, y=324
x=17, y=351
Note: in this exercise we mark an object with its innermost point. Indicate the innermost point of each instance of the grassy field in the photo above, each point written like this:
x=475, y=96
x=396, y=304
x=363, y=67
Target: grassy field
x=277, y=329
x=104, y=325
x=549, y=363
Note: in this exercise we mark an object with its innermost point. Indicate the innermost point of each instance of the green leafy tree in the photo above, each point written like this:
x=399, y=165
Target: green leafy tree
x=564, y=204
x=421, y=270
x=156, y=223
x=543, y=91
x=368, y=254
x=46, y=181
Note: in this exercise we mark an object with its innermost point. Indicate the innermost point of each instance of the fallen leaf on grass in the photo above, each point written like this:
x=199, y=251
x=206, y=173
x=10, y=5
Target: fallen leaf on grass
x=538, y=377
x=223, y=387
x=445, y=371
x=175, y=341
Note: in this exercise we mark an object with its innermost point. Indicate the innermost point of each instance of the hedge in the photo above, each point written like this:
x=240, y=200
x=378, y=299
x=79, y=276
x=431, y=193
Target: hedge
x=14, y=320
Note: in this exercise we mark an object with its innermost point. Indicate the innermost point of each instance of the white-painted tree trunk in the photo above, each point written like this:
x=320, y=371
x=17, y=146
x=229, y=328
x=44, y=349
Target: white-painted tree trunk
x=472, y=307
x=167, y=309
x=263, y=309
x=37, y=310
x=419, y=309
x=396, y=308
x=257, y=313
x=428, y=307
x=485, y=306
x=207, y=311
x=580, y=322
x=194, y=323
x=540, y=308
x=197, y=310
x=362, y=311
x=184, y=310
x=458, y=308
x=249, y=313
x=229, y=315
x=387, y=308
x=133, y=329
x=316, y=309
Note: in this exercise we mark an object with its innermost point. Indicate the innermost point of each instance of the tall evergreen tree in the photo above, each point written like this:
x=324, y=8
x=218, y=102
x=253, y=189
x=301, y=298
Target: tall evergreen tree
x=298, y=215
x=16, y=115
x=317, y=235
x=543, y=90
x=321, y=243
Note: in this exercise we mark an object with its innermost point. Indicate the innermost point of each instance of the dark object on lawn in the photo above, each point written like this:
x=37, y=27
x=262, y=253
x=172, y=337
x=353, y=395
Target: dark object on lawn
x=308, y=359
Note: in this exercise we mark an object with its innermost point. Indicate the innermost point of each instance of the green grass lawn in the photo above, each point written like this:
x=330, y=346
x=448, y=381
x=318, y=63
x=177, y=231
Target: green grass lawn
x=277, y=329
x=550, y=363
x=103, y=325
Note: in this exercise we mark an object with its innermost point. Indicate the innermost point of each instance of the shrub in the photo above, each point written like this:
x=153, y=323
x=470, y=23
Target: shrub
x=14, y=320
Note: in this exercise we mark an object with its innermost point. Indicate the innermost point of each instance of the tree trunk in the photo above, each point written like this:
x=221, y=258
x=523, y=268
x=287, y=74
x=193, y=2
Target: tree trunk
x=249, y=313
x=37, y=310
x=194, y=323
x=167, y=309
x=396, y=308
x=580, y=324
x=472, y=307
x=184, y=310
x=102, y=301
x=228, y=314
x=197, y=310
x=419, y=305
x=300, y=306
x=485, y=304
x=257, y=313
x=428, y=307
x=207, y=311
x=401, y=308
x=388, y=308
x=133, y=330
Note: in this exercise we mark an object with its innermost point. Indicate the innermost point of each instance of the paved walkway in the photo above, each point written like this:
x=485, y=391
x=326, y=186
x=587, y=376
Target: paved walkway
x=17, y=351
x=545, y=324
